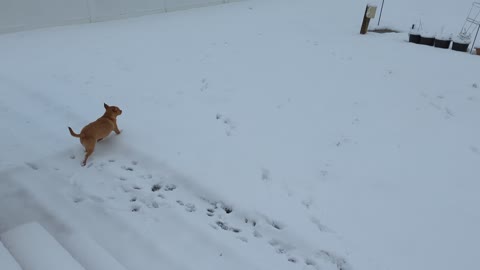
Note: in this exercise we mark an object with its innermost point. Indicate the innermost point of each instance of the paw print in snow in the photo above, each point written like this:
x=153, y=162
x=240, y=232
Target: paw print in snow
x=170, y=187
x=204, y=85
x=130, y=169
x=230, y=126
x=156, y=187
x=190, y=207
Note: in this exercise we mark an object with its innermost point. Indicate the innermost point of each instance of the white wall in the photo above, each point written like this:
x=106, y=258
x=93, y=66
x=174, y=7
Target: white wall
x=17, y=15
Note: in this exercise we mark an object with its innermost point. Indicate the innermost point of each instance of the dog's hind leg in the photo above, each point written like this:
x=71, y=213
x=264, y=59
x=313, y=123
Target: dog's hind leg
x=87, y=154
x=89, y=147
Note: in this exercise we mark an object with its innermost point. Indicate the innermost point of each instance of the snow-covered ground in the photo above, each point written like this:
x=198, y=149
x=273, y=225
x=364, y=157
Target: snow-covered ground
x=256, y=135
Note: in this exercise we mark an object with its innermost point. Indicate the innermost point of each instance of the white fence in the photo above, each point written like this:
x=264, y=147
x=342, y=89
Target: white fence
x=18, y=15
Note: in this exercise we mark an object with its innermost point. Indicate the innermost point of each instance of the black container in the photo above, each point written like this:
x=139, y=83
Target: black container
x=414, y=38
x=458, y=46
x=444, y=44
x=427, y=40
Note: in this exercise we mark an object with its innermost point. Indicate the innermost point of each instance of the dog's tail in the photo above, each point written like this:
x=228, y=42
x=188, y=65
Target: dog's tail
x=73, y=133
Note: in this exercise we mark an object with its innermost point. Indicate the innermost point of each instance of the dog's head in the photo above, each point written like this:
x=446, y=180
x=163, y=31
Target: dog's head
x=113, y=110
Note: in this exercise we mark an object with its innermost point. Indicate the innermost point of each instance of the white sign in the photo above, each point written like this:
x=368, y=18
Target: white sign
x=371, y=10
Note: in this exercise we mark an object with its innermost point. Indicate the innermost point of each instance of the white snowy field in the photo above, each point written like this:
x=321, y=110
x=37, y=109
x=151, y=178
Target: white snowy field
x=255, y=135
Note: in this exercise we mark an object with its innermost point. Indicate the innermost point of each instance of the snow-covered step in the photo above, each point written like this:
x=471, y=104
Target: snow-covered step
x=88, y=253
x=7, y=262
x=35, y=249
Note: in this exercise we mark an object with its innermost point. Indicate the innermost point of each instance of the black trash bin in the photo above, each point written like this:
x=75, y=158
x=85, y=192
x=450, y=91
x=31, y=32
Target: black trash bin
x=414, y=38
x=461, y=46
x=426, y=39
x=442, y=43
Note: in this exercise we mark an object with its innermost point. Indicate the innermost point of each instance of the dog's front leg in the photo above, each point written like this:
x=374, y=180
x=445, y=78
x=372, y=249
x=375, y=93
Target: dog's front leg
x=116, y=130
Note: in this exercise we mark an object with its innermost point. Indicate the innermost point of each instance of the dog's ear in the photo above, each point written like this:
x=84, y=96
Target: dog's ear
x=106, y=106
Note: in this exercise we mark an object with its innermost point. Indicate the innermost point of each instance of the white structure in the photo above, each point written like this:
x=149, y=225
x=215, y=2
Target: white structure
x=17, y=15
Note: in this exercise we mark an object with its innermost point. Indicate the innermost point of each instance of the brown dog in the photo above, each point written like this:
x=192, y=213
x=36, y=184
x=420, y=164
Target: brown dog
x=96, y=131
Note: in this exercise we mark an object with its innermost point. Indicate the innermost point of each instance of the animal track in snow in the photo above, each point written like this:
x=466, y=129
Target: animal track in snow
x=135, y=208
x=447, y=113
x=204, y=85
x=319, y=225
x=230, y=126
x=156, y=187
x=243, y=239
x=170, y=187
x=127, y=168
x=146, y=192
x=434, y=102
x=224, y=226
x=292, y=260
x=280, y=247
x=310, y=262
x=276, y=224
x=251, y=221
x=32, y=166
x=340, y=262
x=189, y=207
x=78, y=199
x=265, y=175
x=342, y=142
x=257, y=234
